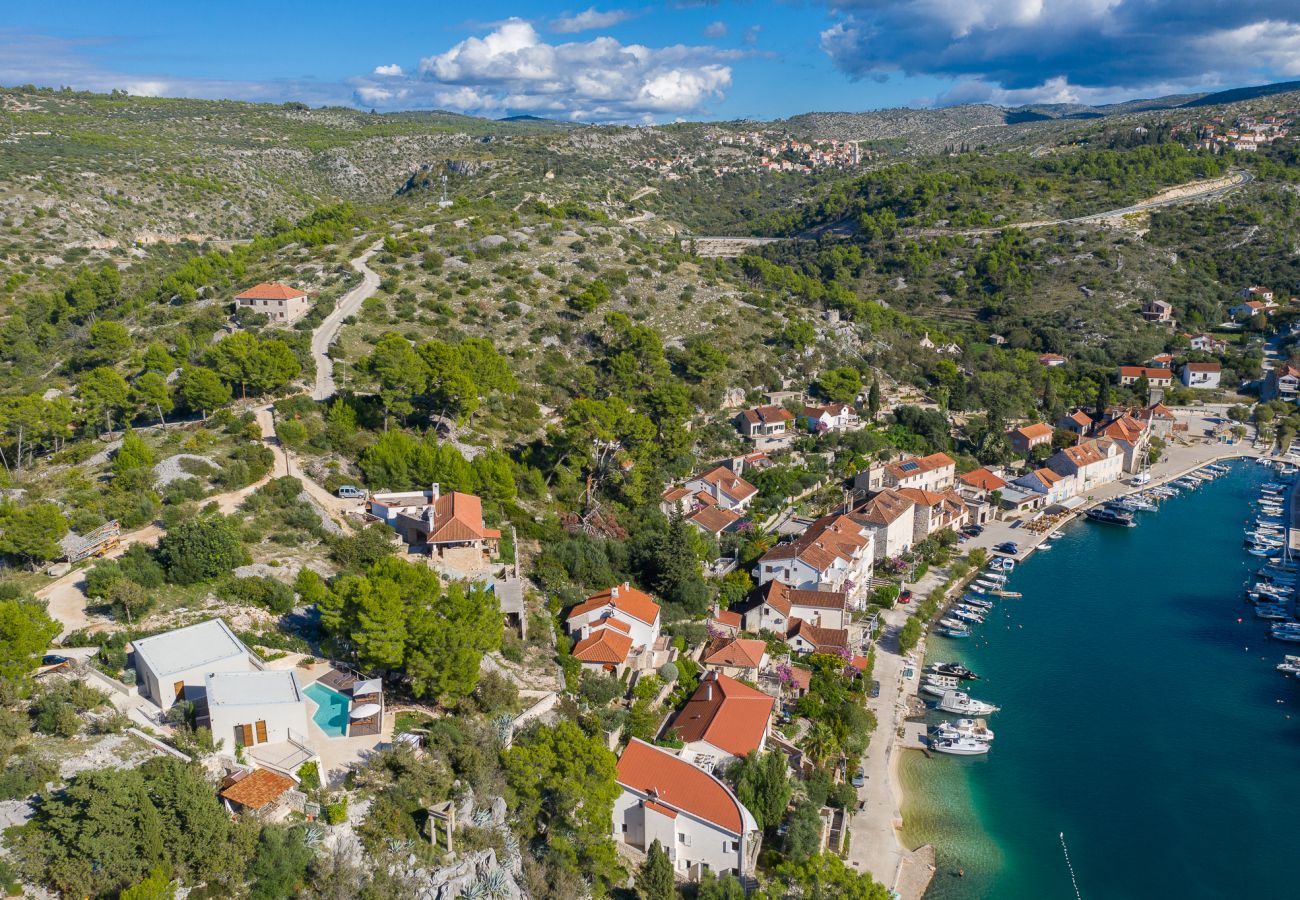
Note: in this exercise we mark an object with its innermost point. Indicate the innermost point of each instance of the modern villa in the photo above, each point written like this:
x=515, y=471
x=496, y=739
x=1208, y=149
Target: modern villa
x=250, y=708
x=174, y=665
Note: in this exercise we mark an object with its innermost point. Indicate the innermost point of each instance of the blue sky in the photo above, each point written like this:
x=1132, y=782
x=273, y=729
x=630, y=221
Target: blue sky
x=691, y=59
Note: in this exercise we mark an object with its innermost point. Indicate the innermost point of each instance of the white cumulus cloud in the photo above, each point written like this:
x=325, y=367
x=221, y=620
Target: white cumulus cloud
x=590, y=19
x=512, y=69
x=393, y=70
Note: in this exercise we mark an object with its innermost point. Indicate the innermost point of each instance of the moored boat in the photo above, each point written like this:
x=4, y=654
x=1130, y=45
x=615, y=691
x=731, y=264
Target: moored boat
x=1108, y=516
x=960, y=746
x=963, y=704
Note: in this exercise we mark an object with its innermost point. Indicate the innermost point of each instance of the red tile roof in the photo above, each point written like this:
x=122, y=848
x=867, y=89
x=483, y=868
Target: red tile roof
x=983, y=480
x=883, y=509
x=728, y=618
x=915, y=465
x=822, y=639
x=265, y=291
x=1152, y=373
x=714, y=519
x=742, y=653
x=622, y=597
x=729, y=482
x=766, y=414
x=783, y=598
x=1037, y=430
x=725, y=713
x=458, y=518
x=676, y=784
x=1203, y=367
x=604, y=646
x=258, y=788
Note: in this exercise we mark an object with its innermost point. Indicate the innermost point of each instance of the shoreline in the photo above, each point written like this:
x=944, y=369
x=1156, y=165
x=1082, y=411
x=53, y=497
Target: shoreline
x=916, y=867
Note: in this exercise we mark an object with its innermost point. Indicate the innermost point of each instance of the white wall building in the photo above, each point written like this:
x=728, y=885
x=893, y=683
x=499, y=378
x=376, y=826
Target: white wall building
x=278, y=302
x=693, y=815
x=1092, y=463
x=175, y=664
x=250, y=708
x=836, y=553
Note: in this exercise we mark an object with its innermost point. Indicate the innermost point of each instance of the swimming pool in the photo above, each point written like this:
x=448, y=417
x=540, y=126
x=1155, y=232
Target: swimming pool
x=331, y=709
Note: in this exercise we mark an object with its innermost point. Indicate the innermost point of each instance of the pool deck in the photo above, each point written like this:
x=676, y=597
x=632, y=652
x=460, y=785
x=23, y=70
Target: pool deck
x=336, y=754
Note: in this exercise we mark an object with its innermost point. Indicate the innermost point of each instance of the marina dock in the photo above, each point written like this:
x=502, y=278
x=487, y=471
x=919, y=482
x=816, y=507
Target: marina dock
x=915, y=736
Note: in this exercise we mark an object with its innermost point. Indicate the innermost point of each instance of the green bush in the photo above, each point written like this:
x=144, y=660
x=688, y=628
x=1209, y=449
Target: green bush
x=337, y=813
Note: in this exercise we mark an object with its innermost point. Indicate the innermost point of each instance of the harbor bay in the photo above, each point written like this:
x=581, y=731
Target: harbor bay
x=1143, y=719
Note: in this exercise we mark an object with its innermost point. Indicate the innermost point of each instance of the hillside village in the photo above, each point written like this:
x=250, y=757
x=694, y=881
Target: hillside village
x=499, y=547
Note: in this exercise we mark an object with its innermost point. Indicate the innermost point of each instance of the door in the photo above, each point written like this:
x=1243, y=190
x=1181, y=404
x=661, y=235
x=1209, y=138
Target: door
x=261, y=731
x=179, y=688
x=244, y=735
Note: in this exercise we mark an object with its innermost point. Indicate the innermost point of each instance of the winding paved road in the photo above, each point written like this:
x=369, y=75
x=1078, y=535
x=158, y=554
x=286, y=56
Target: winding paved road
x=324, y=336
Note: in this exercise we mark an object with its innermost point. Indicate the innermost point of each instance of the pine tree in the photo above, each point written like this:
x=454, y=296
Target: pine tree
x=380, y=632
x=655, y=879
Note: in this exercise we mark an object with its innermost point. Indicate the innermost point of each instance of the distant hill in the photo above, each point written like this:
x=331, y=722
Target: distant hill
x=1237, y=95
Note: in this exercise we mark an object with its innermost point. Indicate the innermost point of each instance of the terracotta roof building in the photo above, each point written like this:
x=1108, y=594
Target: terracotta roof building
x=613, y=626
x=805, y=638
x=695, y=817
x=436, y=521
x=734, y=656
x=1027, y=437
x=724, y=719
x=764, y=421
x=257, y=790
x=278, y=302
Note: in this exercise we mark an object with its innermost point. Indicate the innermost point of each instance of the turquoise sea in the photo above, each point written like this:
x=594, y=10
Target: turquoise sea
x=1139, y=718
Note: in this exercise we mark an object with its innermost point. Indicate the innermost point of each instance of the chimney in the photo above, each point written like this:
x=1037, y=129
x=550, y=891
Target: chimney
x=708, y=690
x=613, y=592
x=436, y=492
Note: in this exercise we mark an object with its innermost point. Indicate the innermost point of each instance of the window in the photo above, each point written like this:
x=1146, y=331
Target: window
x=686, y=840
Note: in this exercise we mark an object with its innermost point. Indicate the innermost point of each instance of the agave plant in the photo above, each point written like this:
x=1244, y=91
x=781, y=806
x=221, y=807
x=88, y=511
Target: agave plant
x=496, y=883
x=313, y=836
x=511, y=844
x=482, y=817
x=505, y=725
x=475, y=890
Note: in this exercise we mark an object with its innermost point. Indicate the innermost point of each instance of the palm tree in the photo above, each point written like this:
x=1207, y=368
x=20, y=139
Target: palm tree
x=819, y=743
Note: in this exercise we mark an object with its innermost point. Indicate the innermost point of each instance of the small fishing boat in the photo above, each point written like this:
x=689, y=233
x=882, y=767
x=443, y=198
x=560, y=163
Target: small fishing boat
x=1274, y=611
x=1057, y=535
x=1010, y=595
x=968, y=615
x=1044, y=546
x=977, y=603
x=960, y=703
x=1286, y=631
x=960, y=746
x=1264, y=550
x=953, y=631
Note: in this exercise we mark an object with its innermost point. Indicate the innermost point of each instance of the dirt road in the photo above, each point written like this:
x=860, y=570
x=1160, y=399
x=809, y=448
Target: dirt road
x=325, y=335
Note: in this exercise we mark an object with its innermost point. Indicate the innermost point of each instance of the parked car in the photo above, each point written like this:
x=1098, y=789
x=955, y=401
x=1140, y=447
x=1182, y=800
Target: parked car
x=1007, y=547
x=875, y=688
x=859, y=778
x=905, y=596
x=352, y=492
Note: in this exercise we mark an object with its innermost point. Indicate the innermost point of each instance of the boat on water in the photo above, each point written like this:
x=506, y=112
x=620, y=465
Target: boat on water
x=1142, y=505
x=1057, y=535
x=930, y=689
x=1044, y=546
x=960, y=746
x=1286, y=631
x=1109, y=516
x=977, y=603
x=1264, y=550
x=1274, y=611
x=953, y=631
x=955, y=669
x=1008, y=594
x=968, y=615
x=975, y=729
x=963, y=704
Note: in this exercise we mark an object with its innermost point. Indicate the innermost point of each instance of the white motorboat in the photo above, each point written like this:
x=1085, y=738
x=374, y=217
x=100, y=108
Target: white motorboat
x=976, y=729
x=963, y=704
x=933, y=690
x=1056, y=535
x=1044, y=546
x=977, y=603
x=960, y=746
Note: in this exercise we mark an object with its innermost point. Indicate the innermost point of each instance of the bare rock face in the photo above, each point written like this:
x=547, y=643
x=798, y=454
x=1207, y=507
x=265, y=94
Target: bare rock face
x=477, y=874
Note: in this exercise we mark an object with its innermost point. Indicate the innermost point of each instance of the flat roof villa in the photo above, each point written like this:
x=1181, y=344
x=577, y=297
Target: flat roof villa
x=250, y=708
x=174, y=665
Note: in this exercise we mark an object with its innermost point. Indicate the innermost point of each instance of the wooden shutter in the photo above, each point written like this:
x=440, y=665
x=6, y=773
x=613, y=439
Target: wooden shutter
x=179, y=688
x=244, y=735
x=261, y=731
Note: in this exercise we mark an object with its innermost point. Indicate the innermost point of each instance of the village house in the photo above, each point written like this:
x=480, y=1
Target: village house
x=278, y=302
x=1054, y=487
x=613, y=627
x=1281, y=383
x=715, y=521
x=1052, y=360
x=724, y=487
x=892, y=520
x=735, y=657
x=245, y=709
x=257, y=792
x=1203, y=375
x=1130, y=434
x=831, y=417
x=935, y=511
x=174, y=665
x=807, y=638
x=693, y=815
x=1161, y=361
x=1091, y=463
x=935, y=472
x=952, y=348
x=724, y=720
x=764, y=422
x=835, y=553
x=1155, y=376
x=1158, y=418
x=978, y=484
x=1078, y=422
x=1025, y=438
x=433, y=522
x=773, y=606
x=1250, y=308
x=725, y=622
x=1206, y=343
x=1158, y=311
x=1256, y=292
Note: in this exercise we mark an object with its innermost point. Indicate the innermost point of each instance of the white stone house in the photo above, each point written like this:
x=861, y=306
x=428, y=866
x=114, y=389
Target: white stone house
x=694, y=816
x=1203, y=375
x=835, y=553
x=773, y=605
x=892, y=520
x=1092, y=463
x=174, y=665
x=250, y=708
x=278, y=302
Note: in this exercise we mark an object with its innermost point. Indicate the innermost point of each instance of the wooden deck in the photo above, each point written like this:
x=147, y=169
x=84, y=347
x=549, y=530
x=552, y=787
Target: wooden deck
x=343, y=682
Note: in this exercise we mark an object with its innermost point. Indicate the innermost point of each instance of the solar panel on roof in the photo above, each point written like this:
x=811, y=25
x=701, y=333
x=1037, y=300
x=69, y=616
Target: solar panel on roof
x=909, y=466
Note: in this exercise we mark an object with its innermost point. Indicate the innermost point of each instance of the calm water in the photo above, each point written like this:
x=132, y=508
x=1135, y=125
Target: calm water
x=1139, y=718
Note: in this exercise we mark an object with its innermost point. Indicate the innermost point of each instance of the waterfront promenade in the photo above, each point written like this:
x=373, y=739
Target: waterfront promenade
x=876, y=845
